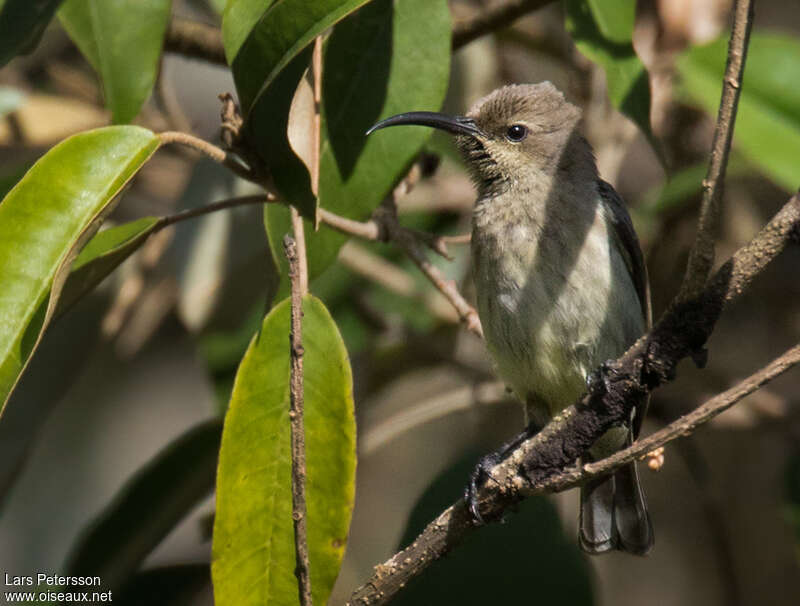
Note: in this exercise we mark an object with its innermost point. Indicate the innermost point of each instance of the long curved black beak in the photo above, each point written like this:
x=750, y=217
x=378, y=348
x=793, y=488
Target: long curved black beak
x=458, y=125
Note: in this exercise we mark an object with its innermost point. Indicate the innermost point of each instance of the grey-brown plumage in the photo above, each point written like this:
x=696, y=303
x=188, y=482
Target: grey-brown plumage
x=560, y=281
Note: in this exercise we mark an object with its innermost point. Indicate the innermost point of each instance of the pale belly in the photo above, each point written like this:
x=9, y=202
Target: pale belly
x=550, y=317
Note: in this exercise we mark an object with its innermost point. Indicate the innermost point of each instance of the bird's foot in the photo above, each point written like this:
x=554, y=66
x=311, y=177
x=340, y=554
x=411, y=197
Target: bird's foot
x=480, y=475
x=598, y=382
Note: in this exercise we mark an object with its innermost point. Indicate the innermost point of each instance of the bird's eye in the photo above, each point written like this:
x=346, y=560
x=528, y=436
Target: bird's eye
x=516, y=133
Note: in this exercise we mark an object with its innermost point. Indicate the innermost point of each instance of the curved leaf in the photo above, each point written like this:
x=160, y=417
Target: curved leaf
x=167, y=488
x=45, y=219
x=603, y=31
x=387, y=58
x=767, y=129
x=102, y=255
x=122, y=40
x=285, y=29
x=22, y=23
x=253, y=553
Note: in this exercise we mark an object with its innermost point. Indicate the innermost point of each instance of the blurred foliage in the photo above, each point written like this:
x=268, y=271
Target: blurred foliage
x=22, y=23
x=528, y=552
x=107, y=32
x=603, y=32
x=768, y=120
x=167, y=488
x=792, y=506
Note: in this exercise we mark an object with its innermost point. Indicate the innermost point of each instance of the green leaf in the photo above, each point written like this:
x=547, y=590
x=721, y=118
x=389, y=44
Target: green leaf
x=102, y=255
x=767, y=129
x=167, y=488
x=122, y=40
x=387, y=58
x=22, y=23
x=45, y=220
x=602, y=31
x=684, y=185
x=238, y=19
x=282, y=32
x=253, y=552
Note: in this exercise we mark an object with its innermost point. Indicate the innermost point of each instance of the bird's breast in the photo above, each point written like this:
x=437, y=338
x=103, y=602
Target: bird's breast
x=553, y=297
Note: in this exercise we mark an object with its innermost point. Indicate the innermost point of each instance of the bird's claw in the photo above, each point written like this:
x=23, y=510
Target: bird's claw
x=480, y=474
x=598, y=381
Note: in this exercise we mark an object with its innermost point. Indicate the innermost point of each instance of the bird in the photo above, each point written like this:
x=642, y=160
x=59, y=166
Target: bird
x=560, y=280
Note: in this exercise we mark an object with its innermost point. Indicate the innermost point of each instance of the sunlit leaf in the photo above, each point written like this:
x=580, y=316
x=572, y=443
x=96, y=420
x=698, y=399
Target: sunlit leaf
x=167, y=488
x=603, y=30
x=122, y=39
x=767, y=128
x=253, y=552
x=22, y=24
x=45, y=220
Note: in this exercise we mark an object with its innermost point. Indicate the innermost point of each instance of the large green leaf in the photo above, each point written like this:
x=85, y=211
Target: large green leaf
x=238, y=19
x=284, y=29
x=167, y=488
x=253, y=553
x=768, y=119
x=602, y=30
x=387, y=58
x=122, y=40
x=45, y=220
x=22, y=23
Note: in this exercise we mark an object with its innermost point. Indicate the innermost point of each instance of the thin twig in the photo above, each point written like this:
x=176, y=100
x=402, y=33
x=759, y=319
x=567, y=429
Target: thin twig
x=214, y=207
x=375, y=268
x=217, y=154
x=701, y=257
x=545, y=461
x=298, y=430
x=412, y=247
x=488, y=393
x=491, y=19
x=196, y=40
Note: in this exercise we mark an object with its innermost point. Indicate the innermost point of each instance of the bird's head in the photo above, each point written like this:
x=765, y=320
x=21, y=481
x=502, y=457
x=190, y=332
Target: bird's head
x=515, y=133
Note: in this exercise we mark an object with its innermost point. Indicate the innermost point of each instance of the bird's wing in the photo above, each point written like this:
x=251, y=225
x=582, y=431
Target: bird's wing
x=628, y=245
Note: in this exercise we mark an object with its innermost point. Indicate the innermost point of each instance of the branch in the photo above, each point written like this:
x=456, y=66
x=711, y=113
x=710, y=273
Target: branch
x=214, y=207
x=196, y=40
x=543, y=462
x=384, y=226
x=492, y=19
x=210, y=150
x=298, y=430
x=701, y=257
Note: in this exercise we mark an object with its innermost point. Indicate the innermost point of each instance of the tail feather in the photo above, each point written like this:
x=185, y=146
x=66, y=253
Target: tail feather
x=614, y=514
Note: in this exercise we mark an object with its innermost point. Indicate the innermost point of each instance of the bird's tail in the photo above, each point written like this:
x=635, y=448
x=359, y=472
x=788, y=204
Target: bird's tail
x=614, y=514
